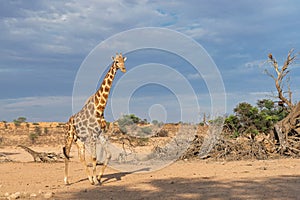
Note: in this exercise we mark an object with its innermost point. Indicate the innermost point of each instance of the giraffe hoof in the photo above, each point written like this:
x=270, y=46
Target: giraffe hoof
x=99, y=179
x=91, y=180
x=95, y=180
x=66, y=181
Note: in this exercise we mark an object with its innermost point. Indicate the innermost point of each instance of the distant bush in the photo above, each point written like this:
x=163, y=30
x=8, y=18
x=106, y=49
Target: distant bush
x=127, y=120
x=155, y=122
x=5, y=124
x=33, y=137
x=146, y=130
x=162, y=133
x=123, y=129
x=18, y=121
x=201, y=124
x=38, y=130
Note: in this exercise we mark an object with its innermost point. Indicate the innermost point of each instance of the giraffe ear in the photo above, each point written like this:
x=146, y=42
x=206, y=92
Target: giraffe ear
x=124, y=58
x=113, y=58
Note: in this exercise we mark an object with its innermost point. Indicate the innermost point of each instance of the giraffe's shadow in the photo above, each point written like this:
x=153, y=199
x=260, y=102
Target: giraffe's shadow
x=107, y=178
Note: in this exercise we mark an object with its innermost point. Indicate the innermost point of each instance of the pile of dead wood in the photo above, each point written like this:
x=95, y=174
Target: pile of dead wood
x=283, y=141
x=247, y=147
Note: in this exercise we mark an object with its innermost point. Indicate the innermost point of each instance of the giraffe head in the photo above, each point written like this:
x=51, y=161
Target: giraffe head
x=119, y=62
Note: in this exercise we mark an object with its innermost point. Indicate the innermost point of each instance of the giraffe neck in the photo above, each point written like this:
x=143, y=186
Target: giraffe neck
x=101, y=95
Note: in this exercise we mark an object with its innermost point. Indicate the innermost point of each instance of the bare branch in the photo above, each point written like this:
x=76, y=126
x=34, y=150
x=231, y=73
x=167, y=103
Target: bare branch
x=289, y=60
x=269, y=74
x=281, y=75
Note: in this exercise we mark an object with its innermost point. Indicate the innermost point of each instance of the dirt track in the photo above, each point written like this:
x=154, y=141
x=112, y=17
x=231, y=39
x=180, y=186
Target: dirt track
x=272, y=179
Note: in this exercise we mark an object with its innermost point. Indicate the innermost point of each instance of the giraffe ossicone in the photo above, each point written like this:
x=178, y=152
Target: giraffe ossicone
x=86, y=127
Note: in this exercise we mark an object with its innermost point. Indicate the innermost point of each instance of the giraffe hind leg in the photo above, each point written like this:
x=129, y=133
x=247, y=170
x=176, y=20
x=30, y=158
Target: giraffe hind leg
x=106, y=161
x=94, y=162
x=81, y=153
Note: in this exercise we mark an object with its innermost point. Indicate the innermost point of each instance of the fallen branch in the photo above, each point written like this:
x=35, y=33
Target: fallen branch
x=42, y=156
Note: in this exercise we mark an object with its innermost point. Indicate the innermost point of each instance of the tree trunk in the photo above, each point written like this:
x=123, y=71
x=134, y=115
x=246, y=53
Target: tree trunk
x=287, y=130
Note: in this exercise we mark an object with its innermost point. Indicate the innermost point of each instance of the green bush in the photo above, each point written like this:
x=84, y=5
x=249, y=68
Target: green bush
x=37, y=130
x=46, y=130
x=254, y=119
x=162, y=133
x=154, y=122
x=127, y=120
x=146, y=130
x=18, y=121
x=33, y=137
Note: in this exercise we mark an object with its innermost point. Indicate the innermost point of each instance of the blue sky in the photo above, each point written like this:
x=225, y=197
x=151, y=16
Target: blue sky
x=44, y=43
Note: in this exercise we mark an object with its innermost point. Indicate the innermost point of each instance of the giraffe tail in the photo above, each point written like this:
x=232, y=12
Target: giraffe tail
x=65, y=153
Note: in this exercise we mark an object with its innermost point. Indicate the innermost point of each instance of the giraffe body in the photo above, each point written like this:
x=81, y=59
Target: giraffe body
x=86, y=128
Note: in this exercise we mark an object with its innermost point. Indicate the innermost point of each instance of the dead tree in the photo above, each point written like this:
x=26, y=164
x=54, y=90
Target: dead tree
x=286, y=131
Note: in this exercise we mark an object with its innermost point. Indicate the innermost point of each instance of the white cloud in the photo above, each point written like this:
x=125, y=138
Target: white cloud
x=195, y=76
x=50, y=108
x=255, y=64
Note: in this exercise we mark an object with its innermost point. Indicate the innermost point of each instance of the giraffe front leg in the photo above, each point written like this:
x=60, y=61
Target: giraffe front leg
x=66, y=181
x=94, y=162
x=66, y=152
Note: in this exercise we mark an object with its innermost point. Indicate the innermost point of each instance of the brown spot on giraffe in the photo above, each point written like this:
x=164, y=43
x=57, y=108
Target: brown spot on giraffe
x=105, y=96
x=102, y=89
x=96, y=101
x=103, y=101
x=100, y=107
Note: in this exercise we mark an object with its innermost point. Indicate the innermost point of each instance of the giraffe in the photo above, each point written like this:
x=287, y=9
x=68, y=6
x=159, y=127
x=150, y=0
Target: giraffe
x=86, y=127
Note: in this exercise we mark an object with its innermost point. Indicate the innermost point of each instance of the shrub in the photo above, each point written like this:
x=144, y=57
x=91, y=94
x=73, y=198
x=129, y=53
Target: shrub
x=18, y=121
x=162, y=133
x=37, y=130
x=46, y=130
x=154, y=122
x=254, y=119
x=33, y=137
x=127, y=120
x=5, y=124
x=146, y=130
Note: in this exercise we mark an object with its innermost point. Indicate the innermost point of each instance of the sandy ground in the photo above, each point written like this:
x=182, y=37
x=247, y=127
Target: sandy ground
x=198, y=179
